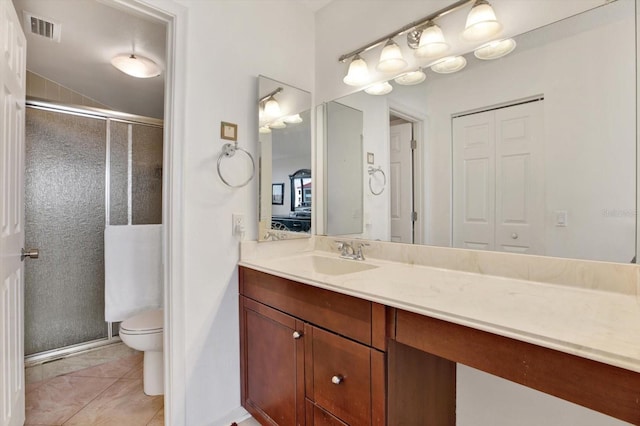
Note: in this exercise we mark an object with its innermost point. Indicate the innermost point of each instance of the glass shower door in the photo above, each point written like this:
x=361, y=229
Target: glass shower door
x=65, y=218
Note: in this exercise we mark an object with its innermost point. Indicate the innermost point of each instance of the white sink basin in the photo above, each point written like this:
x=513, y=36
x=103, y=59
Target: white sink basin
x=323, y=265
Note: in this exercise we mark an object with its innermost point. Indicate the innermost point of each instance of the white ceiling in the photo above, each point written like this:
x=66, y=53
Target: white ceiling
x=91, y=34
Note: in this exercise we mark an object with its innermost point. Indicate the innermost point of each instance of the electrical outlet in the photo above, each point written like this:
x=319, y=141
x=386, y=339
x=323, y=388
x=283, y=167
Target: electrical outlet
x=237, y=222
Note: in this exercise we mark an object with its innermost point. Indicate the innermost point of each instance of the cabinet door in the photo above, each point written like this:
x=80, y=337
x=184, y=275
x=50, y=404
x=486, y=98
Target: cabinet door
x=272, y=364
x=339, y=376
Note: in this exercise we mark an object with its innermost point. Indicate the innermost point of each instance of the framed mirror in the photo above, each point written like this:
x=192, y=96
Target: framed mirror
x=531, y=153
x=285, y=161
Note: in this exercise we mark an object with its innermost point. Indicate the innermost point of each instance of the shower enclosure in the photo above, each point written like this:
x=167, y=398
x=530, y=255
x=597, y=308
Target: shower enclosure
x=84, y=168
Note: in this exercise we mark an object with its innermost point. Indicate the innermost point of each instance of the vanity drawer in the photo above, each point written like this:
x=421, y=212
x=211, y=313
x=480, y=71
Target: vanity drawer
x=316, y=416
x=338, y=376
x=345, y=315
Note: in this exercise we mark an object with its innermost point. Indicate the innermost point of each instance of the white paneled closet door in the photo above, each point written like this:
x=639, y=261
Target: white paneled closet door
x=12, y=113
x=498, y=179
x=474, y=181
x=400, y=182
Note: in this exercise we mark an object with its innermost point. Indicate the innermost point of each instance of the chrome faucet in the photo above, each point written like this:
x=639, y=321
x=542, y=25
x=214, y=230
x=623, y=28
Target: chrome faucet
x=351, y=250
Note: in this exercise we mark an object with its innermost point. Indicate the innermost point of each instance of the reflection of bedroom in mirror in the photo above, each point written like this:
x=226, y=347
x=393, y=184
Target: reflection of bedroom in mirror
x=285, y=161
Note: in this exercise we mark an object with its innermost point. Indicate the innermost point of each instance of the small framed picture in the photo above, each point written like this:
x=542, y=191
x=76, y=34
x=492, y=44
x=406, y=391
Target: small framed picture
x=228, y=131
x=277, y=193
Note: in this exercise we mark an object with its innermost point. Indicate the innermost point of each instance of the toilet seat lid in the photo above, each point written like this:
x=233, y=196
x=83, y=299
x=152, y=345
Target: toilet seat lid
x=145, y=322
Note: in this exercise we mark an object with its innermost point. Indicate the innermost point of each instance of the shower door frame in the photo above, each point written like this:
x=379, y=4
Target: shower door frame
x=108, y=116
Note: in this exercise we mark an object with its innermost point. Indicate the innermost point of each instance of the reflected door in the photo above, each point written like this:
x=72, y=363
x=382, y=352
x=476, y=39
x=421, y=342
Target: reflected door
x=401, y=185
x=498, y=187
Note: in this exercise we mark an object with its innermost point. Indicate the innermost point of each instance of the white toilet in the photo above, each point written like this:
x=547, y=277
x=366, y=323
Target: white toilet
x=144, y=332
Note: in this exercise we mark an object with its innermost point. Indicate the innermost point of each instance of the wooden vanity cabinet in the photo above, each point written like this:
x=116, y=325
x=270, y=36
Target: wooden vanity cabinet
x=310, y=356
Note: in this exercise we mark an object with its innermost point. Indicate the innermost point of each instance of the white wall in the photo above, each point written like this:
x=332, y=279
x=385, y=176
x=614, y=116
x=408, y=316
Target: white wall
x=228, y=44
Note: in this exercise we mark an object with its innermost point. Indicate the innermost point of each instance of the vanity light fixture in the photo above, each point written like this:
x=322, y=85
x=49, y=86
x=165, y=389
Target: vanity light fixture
x=272, y=108
x=391, y=59
x=426, y=38
x=264, y=130
x=495, y=49
x=293, y=119
x=379, y=89
x=411, y=78
x=432, y=43
x=136, y=65
x=481, y=22
x=358, y=73
x=449, y=65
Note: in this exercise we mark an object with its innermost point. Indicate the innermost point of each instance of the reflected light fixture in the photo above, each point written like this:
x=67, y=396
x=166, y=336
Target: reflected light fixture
x=379, y=88
x=481, y=22
x=278, y=124
x=495, y=49
x=293, y=119
x=432, y=42
x=449, y=65
x=411, y=78
x=264, y=130
x=136, y=65
x=391, y=59
x=358, y=73
x=272, y=108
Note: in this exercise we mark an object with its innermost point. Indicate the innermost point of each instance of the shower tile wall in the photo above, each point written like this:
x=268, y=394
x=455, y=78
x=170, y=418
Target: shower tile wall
x=66, y=164
x=43, y=88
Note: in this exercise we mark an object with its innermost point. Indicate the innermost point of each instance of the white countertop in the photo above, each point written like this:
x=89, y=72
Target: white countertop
x=595, y=324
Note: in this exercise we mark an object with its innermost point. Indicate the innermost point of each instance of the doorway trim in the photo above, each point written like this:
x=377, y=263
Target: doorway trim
x=175, y=18
x=418, y=121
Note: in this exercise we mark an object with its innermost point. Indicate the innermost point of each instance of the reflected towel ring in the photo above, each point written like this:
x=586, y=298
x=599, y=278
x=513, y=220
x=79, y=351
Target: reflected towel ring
x=373, y=171
x=229, y=150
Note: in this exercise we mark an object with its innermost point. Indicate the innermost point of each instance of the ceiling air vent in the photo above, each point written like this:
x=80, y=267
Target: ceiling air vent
x=42, y=26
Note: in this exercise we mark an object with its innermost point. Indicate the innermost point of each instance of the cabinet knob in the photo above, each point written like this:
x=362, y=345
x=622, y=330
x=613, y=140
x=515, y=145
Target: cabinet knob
x=336, y=380
x=297, y=335
x=514, y=236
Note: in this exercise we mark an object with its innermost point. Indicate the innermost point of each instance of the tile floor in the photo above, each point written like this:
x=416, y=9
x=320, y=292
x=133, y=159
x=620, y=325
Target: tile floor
x=109, y=393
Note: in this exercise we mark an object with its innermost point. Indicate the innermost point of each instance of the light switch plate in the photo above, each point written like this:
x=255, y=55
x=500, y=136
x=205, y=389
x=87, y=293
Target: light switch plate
x=561, y=218
x=370, y=158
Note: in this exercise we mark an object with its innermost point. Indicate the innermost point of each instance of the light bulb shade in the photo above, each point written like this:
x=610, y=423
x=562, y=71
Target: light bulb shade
x=358, y=73
x=481, y=22
x=495, y=49
x=449, y=65
x=411, y=78
x=278, y=124
x=272, y=108
x=264, y=130
x=391, y=59
x=379, y=89
x=135, y=65
x=432, y=42
x=293, y=119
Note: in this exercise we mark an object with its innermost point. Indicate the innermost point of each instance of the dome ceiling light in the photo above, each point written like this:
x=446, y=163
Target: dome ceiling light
x=136, y=65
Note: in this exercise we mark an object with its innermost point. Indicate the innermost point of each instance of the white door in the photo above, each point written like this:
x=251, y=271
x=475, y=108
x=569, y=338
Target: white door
x=474, y=181
x=12, y=101
x=401, y=183
x=498, y=180
x=519, y=179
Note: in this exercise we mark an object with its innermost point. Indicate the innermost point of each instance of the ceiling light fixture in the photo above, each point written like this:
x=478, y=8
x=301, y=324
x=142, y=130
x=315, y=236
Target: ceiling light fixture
x=411, y=78
x=449, y=65
x=136, y=65
x=495, y=49
x=432, y=42
x=481, y=22
x=278, y=124
x=391, y=59
x=379, y=89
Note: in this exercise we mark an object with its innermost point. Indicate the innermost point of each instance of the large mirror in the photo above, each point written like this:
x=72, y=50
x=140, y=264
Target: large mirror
x=532, y=153
x=285, y=161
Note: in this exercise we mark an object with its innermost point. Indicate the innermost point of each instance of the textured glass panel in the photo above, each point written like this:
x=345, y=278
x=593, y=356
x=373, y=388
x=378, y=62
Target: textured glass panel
x=147, y=175
x=65, y=218
x=118, y=173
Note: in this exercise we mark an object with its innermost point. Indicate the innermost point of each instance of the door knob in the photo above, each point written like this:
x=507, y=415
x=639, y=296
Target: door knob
x=514, y=236
x=32, y=253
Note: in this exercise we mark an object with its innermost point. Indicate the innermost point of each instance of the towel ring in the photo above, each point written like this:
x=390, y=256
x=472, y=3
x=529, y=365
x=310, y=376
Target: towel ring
x=373, y=171
x=229, y=150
